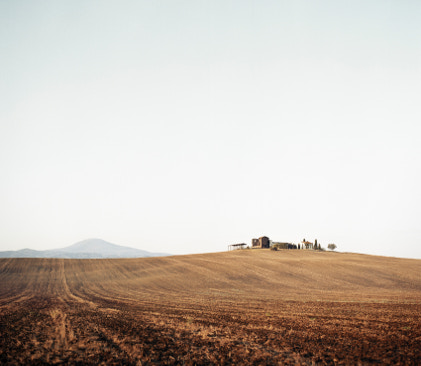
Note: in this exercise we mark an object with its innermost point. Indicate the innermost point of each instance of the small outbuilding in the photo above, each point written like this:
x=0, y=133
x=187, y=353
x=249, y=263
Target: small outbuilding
x=237, y=246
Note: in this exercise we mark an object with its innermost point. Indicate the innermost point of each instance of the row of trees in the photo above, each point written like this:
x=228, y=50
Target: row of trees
x=319, y=247
x=315, y=246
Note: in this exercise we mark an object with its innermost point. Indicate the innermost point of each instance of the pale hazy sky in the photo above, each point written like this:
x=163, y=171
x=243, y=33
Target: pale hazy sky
x=185, y=126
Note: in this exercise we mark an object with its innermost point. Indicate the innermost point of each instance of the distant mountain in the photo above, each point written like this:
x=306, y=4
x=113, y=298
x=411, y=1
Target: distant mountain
x=90, y=248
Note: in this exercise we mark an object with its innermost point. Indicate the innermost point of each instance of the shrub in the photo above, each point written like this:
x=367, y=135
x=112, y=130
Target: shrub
x=332, y=246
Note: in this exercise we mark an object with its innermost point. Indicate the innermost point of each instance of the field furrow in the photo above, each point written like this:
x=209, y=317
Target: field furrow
x=249, y=307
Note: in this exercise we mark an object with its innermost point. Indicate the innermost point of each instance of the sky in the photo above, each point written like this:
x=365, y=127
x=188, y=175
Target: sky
x=186, y=126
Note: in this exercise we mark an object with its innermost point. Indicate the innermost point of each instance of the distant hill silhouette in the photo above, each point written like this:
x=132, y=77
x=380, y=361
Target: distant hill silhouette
x=90, y=248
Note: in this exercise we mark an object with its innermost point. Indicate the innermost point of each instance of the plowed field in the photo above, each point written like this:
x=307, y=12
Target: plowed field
x=243, y=307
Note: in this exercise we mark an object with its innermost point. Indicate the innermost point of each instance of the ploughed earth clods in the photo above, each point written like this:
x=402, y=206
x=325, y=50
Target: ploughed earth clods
x=44, y=330
x=63, y=321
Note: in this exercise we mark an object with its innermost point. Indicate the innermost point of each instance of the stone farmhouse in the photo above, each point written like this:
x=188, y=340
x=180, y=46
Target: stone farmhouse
x=262, y=242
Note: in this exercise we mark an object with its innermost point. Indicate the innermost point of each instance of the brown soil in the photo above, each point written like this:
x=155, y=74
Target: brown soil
x=242, y=307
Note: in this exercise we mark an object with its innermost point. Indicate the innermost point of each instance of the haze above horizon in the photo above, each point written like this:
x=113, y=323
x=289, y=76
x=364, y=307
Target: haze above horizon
x=183, y=127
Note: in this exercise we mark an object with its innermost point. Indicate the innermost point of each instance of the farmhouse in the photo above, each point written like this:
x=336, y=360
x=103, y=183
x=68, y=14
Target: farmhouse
x=265, y=242
x=307, y=244
x=262, y=242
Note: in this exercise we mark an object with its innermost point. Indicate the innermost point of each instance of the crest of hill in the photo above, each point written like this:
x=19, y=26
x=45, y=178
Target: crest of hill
x=241, y=275
x=293, y=275
x=264, y=273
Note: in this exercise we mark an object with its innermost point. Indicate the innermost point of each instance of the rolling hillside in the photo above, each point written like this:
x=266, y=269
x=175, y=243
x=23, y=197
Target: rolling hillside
x=248, y=273
x=240, y=307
